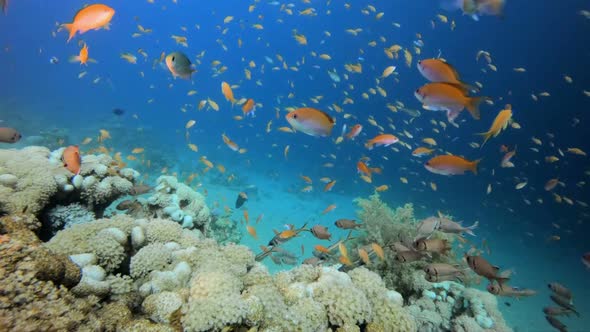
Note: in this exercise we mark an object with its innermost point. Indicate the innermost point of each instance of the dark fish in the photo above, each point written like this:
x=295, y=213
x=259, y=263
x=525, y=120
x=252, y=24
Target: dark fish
x=561, y=290
x=564, y=303
x=508, y=304
x=242, y=198
x=347, y=224
x=125, y=205
x=556, y=323
x=140, y=189
x=118, y=111
x=9, y=135
x=482, y=267
x=509, y=291
x=408, y=256
x=314, y=261
x=321, y=232
x=556, y=311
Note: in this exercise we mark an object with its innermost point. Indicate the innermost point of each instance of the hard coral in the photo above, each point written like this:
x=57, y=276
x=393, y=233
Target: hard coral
x=27, y=301
x=176, y=200
x=214, y=302
x=35, y=185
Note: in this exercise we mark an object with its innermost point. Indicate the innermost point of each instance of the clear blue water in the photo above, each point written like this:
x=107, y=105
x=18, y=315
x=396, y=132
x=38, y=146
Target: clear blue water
x=547, y=39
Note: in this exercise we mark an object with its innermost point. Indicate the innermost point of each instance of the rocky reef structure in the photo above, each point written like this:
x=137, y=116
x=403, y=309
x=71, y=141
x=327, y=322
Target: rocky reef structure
x=33, y=180
x=153, y=275
x=445, y=306
x=175, y=200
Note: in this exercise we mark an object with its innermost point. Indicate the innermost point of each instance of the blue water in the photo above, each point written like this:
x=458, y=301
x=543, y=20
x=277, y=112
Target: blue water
x=547, y=39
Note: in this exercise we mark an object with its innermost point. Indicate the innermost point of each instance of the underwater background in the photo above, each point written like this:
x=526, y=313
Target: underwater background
x=527, y=230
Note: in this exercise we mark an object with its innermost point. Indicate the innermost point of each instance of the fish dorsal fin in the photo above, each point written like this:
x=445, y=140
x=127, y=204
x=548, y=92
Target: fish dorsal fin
x=458, y=86
x=497, y=268
x=276, y=232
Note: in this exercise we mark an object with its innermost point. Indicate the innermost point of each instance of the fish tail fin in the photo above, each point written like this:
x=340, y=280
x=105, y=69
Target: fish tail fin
x=486, y=136
x=473, y=104
x=475, y=165
x=71, y=30
x=469, y=230
x=369, y=145
x=74, y=58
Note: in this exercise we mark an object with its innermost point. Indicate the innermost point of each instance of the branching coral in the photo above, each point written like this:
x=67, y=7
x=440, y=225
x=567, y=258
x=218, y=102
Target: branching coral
x=381, y=223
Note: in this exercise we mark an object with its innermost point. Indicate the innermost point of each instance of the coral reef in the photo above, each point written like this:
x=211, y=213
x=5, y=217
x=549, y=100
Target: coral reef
x=177, y=201
x=223, y=229
x=33, y=281
x=450, y=306
x=61, y=216
x=33, y=180
x=34, y=186
x=128, y=274
x=179, y=279
x=445, y=306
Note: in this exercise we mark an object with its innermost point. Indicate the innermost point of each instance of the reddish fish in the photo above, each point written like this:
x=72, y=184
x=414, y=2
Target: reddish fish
x=9, y=135
x=448, y=97
x=91, y=17
x=311, y=121
x=354, y=131
x=451, y=165
x=71, y=159
x=384, y=140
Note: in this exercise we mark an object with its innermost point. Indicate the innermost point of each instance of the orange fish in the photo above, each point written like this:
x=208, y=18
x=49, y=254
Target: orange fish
x=311, y=121
x=9, y=135
x=329, y=208
x=246, y=216
x=378, y=250
x=71, y=159
x=249, y=107
x=363, y=168
x=252, y=231
x=343, y=254
x=451, y=165
x=329, y=186
x=82, y=57
x=322, y=249
x=354, y=131
x=364, y=256
x=91, y=17
x=306, y=178
x=500, y=123
x=421, y=151
x=383, y=139
x=448, y=97
x=231, y=144
x=437, y=70
x=228, y=93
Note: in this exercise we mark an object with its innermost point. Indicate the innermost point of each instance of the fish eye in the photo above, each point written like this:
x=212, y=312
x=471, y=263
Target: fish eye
x=294, y=116
x=173, y=58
